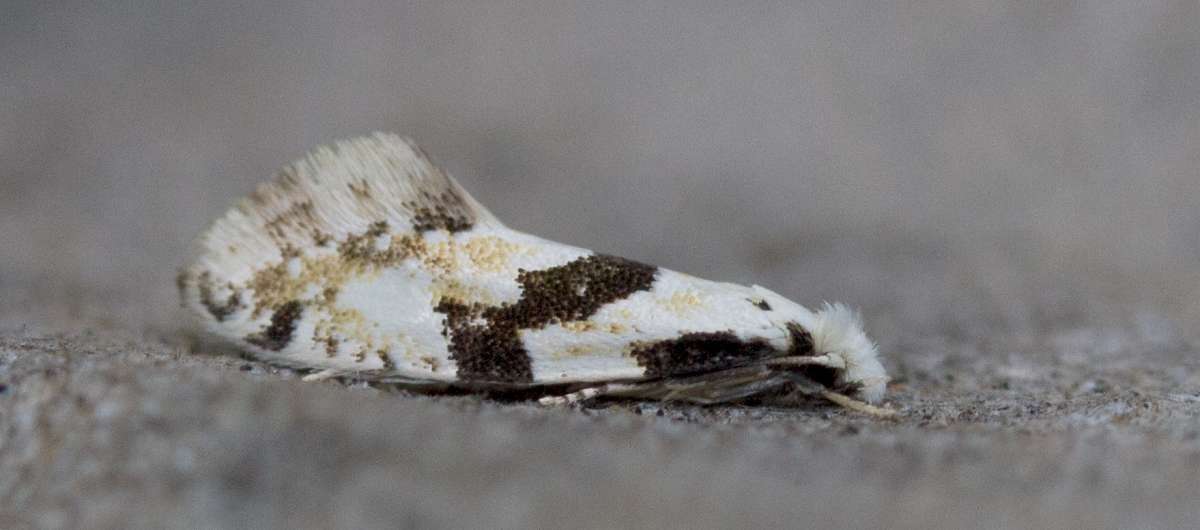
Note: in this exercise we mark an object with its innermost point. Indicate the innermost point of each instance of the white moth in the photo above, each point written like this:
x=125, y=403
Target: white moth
x=364, y=259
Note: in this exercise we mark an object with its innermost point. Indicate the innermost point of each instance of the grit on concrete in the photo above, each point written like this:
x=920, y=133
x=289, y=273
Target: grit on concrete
x=1009, y=190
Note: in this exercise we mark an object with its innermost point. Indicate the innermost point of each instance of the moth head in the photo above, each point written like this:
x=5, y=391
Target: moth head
x=837, y=335
x=837, y=331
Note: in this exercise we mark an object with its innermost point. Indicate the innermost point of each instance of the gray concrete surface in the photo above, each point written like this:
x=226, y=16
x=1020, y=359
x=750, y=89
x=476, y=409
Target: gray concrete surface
x=1009, y=190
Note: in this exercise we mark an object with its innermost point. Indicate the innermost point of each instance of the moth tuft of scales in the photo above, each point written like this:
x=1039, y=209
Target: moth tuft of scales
x=364, y=259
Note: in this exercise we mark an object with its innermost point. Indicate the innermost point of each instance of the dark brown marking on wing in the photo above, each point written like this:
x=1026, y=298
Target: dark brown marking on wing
x=385, y=357
x=694, y=353
x=802, y=346
x=219, y=310
x=360, y=189
x=278, y=334
x=575, y=291
x=360, y=248
x=484, y=352
x=446, y=211
x=294, y=220
x=802, y=341
x=485, y=340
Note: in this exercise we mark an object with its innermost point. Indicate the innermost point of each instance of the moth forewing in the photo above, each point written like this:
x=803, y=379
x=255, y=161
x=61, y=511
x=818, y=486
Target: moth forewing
x=365, y=259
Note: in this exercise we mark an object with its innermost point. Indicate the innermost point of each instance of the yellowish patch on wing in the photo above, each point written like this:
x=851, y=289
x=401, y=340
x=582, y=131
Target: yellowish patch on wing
x=440, y=257
x=681, y=302
x=584, y=326
x=317, y=275
x=320, y=277
x=273, y=286
x=328, y=272
x=624, y=315
x=339, y=324
x=490, y=253
x=349, y=322
x=459, y=292
x=575, y=350
x=431, y=362
x=357, y=256
x=579, y=326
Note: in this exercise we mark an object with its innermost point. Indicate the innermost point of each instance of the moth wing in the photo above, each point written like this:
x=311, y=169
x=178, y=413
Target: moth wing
x=366, y=258
x=336, y=191
x=269, y=270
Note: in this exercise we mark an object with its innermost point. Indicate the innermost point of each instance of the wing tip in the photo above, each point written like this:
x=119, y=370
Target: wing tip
x=334, y=191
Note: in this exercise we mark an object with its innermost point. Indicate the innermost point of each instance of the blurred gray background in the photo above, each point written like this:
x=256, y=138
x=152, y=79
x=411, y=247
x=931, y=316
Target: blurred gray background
x=1010, y=190
x=1007, y=158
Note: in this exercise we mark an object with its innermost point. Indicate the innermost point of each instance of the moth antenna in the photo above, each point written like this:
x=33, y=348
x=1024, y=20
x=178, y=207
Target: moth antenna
x=850, y=403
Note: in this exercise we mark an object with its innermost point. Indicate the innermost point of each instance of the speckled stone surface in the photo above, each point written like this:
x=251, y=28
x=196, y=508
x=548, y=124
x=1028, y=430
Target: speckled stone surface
x=104, y=427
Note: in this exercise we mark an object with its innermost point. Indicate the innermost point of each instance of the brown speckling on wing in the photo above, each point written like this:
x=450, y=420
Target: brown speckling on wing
x=218, y=310
x=331, y=346
x=278, y=334
x=385, y=357
x=336, y=323
x=801, y=341
x=352, y=187
x=357, y=256
x=295, y=218
x=445, y=211
x=431, y=362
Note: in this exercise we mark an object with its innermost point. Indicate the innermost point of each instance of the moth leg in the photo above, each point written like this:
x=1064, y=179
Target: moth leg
x=819, y=360
x=807, y=386
x=592, y=392
x=706, y=389
x=322, y=375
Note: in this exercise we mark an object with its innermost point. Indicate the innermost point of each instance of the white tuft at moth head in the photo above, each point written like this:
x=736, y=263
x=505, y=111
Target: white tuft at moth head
x=838, y=342
x=837, y=331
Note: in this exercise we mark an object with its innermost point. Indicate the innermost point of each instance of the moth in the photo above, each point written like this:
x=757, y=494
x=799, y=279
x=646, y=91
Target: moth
x=365, y=260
